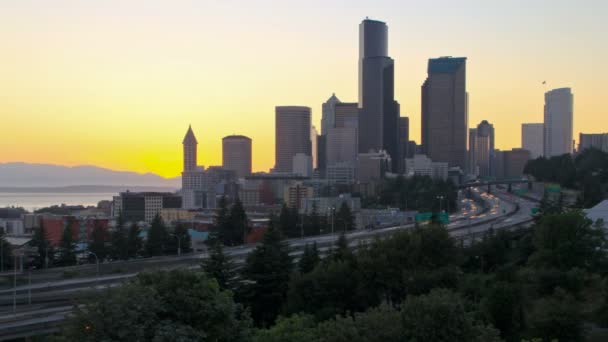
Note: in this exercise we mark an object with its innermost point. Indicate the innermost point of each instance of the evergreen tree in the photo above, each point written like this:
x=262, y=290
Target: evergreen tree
x=342, y=251
x=310, y=258
x=237, y=228
x=134, y=241
x=157, y=237
x=285, y=220
x=5, y=252
x=119, y=249
x=67, y=249
x=344, y=219
x=97, y=244
x=222, y=221
x=220, y=266
x=266, y=277
x=313, y=222
x=45, y=253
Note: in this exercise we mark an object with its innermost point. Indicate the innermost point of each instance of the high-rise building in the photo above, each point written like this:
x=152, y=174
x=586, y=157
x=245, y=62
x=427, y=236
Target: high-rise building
x=292, y=135
x=372, y=166
x=558, y=122
x=302, y=165
x=378, y=110
x=532, y=138
x=346, y=114
x=481, y=150
x=514, y=162
x=404, y=138
x=321, y=154
x=422, y=165
x=236, y=155
x=313, y=146
x=445, y=111
x=341, y=145
x=328, y=118
x=190, y=149
x=599, y=141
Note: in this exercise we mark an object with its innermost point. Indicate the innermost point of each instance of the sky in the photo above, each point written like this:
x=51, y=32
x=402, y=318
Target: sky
x=116, y=83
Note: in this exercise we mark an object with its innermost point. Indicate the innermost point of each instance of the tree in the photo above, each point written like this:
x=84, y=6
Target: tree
x=97, y=245
x=312, y=222
x=134, y=241
x=179, y=305
x=288, y=221
x=118, y=237
x=441, y=316
x=569, y=240
x=341, y=249
x=503, y=306
x=220, y=266
x=345, y=220
x=222, y=221
x=157, y=237
x=266, y=277
x=5, y=250
x=179, y=238
x=44, y=251
x=237, y=229
x=310, y=258
x=557, y=317
x=67, y=249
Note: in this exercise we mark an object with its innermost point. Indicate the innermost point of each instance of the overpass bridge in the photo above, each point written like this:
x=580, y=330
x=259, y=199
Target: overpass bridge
x=489, y=183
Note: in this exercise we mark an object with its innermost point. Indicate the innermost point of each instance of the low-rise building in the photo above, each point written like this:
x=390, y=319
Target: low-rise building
x=421, y=165
x=144, y=206
x=294, y=194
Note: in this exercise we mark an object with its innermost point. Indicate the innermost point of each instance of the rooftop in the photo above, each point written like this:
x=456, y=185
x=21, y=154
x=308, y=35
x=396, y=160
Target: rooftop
x=445, y=65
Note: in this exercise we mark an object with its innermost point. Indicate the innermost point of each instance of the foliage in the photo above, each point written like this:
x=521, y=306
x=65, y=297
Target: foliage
x=134, y=241
x=567, y=241
x=557, y=317
x=266, y=277
x=5, y=250
x=157, y=237
x=220, y=266
x=179, y=238
x=44, y=251
x=345, y=220
x=97, y=245
x=178, y=305
x=67, y=249
x=119, y=239
x=310, y=258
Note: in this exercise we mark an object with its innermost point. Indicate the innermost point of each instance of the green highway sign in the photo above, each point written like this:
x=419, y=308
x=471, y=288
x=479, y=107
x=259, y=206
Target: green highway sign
x=444, y=218
x=534, y=211
x=423, y=217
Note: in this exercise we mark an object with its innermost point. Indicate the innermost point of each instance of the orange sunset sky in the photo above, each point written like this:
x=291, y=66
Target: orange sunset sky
x=116, y=83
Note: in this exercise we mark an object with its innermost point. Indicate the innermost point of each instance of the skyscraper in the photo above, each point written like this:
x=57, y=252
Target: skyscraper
x=532, y=138
x=236, y=154
x=292, y=135
x=379, y=112
x=346, y=114
x=190, y=148
x=445, y=111
x=558, y=122
x=328, y=118
x=404, y=138
x=594, y=140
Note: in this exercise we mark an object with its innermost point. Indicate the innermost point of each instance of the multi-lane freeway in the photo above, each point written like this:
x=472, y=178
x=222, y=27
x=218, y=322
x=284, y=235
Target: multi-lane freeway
x=43, y=305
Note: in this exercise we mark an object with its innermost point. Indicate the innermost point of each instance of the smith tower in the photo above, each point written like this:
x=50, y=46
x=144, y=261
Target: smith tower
x=378, y=110
x=190, y=147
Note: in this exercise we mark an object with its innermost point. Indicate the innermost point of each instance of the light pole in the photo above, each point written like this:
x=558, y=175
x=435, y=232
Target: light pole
x=97, y=263
x=440, y=198
x=332, y=220
x=179, y=243
x=15, y=286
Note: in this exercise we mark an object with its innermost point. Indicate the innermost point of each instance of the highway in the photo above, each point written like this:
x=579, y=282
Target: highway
x=43, y=305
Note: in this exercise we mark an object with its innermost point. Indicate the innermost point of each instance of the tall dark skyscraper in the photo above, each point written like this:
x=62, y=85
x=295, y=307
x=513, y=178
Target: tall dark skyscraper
x=379, y=112
x=404, y=138
x=445, y=111
x=190, y=148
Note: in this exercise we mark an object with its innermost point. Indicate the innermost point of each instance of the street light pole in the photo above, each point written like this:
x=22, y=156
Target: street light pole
x=332, y=221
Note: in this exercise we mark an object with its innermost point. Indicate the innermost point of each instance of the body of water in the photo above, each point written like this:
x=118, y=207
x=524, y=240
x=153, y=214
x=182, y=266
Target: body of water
x=36, y=200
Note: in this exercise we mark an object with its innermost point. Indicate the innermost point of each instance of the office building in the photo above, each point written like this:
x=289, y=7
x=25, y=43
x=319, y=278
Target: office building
x=378, y=110
x=558, y=122
x=598, y=141
x=422, y=165
x=236, y=155
x=293, y=194
x=342, y=173
x=346, y=115
x=445, y=111
x=302, y=165
x=532, y=138
x=514, y=162
x=372, y=166
x=292, y=135
x=321, y=154
x=328, y=115
x=313, y=147
x=481, y=150
x=190, y=145
x=144, y=206
x=341, y=145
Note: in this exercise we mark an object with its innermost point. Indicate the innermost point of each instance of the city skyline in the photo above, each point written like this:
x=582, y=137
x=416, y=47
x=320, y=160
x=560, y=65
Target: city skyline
x=85, y=99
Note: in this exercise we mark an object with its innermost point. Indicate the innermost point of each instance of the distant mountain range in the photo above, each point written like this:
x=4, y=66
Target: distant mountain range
x=85, y=178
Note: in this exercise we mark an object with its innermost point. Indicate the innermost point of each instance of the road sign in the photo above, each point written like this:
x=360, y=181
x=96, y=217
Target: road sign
x=423, y=217
x=534, y=211
x=553, y=188
x=444, y=218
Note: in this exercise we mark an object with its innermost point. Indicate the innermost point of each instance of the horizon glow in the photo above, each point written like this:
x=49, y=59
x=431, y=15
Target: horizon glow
x=116, y=84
